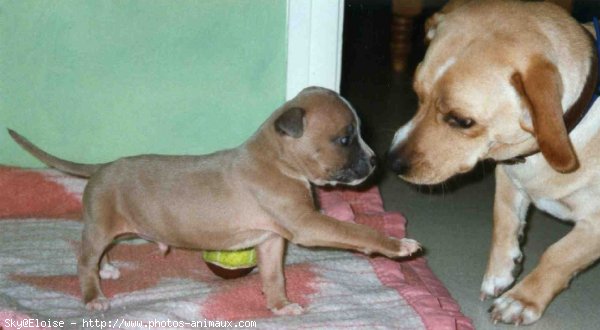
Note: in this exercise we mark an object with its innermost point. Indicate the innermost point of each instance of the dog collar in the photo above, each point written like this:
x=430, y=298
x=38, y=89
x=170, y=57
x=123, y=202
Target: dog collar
x=586, y=100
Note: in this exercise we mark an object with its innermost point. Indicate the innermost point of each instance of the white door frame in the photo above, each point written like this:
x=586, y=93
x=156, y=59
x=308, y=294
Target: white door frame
x=314, y=37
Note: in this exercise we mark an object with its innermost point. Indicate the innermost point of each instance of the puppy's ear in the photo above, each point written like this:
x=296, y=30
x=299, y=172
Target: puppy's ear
x=540, y=88
x=291, y=122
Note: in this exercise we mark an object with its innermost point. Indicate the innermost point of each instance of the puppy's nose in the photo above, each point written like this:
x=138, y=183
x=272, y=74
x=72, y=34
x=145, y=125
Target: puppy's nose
x=373, y=161
x=398, y=164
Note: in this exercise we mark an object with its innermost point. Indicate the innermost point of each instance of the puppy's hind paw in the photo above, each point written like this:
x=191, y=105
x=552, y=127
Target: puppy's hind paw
x=164, y=249
x=408, y=247
x=99, y=304
x=109, y=272
x=289, y=309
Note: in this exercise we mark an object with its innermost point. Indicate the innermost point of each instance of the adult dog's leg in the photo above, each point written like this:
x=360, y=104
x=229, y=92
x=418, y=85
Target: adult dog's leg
x=504, y=263
x=526, y=301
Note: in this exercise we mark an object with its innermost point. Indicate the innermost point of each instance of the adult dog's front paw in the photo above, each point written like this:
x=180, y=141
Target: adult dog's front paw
x=512, y=309
x=493, y=286
x=500, y=275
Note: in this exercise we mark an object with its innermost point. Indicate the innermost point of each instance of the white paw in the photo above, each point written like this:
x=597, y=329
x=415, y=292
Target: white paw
x=289, y=309
x=510, y=310
x=99, y=304
x=501, y=276
x=493, y=286
x=109, y=272
x=408, y=247
x=164, y=248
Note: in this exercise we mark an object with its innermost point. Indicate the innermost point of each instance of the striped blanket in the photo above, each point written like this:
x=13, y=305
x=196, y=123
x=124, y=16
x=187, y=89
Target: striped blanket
x=39, y=242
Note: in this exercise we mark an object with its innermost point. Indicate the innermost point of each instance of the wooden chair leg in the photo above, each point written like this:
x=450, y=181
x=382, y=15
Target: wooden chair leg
x=404, y=13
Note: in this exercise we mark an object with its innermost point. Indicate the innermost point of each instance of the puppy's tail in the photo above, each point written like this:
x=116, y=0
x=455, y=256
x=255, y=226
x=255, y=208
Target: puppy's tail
x=82, y=170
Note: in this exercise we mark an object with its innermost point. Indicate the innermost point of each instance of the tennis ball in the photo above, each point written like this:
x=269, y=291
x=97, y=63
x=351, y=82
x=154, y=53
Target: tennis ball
x=230, y=264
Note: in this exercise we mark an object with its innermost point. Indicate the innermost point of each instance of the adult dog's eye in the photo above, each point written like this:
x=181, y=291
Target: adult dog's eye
x=458, y=122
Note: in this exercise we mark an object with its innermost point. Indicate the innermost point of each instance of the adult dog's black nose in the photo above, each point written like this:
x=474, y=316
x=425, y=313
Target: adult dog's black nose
x=397, y=163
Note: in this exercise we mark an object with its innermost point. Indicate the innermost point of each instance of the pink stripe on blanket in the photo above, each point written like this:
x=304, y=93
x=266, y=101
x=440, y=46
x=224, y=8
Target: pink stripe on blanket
x=27, y=193
x=411, y=278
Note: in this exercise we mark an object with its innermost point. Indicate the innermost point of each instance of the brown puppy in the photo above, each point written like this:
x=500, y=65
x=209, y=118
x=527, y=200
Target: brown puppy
x=494, y=84
x=255, y=195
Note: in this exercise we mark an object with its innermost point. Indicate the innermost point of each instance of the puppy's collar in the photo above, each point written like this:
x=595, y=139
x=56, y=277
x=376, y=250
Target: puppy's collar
x=589, y=95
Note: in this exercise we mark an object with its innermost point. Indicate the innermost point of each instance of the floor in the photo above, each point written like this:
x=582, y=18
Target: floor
x=454, y=223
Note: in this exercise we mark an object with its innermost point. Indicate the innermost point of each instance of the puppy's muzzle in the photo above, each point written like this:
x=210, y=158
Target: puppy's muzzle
x=356, y=172
x=366, y=166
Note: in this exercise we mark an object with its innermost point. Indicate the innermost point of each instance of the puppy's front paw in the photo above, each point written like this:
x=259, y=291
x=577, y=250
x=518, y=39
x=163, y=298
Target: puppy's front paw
x=407, y=247
x=510, y=309
x=289, y=309
x=99, y=304
x=500, y=276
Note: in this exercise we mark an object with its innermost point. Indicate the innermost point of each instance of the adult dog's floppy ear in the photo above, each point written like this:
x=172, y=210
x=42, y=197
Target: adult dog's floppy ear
x=291, y=122
x=541, y=91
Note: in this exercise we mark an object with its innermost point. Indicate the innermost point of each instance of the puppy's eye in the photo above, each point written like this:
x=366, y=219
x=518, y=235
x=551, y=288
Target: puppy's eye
x=345, y=140
x=458, y=122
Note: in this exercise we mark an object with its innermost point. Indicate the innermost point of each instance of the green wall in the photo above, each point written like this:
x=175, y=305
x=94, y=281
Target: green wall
x=91, y=81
